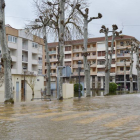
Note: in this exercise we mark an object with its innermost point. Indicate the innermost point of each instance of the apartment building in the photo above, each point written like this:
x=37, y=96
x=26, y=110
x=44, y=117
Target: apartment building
x=26, y=51
x=96, y=56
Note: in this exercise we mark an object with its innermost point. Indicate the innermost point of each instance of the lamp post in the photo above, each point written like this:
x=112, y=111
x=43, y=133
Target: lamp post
x=79, y=68
x=24, y=84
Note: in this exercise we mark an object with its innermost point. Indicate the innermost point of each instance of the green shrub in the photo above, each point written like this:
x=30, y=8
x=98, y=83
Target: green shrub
x=76, y=87
x=76, y=90
x=112, y=87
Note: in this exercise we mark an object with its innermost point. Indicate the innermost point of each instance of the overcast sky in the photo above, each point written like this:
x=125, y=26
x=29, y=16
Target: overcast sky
x=124, y=13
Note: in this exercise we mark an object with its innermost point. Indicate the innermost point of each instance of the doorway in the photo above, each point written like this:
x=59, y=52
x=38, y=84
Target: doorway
x=23, y=95
x=17, y=91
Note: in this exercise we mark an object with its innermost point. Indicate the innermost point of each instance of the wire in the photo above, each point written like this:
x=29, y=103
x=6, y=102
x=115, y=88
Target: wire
x=90, y=23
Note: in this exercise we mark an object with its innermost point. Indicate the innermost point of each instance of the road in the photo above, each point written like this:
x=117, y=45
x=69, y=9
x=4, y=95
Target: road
x=96, y=118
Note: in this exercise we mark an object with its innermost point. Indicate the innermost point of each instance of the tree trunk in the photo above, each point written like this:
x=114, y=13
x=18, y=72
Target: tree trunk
x=106, y=65
x=131, y=67
x=6, y=57
x=125, y=76
x=86, y=66
x=61, y=45
x=48, y=82
x=108, y=61
x=138, y=70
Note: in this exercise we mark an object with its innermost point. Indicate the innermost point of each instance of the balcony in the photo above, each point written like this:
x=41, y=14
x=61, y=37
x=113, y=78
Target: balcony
x=101, y=73
x=77, y=73
x=77, y=50
x=14, y=71
x=122, y=63
x=35, y=62
x=25, y=47
x=53, y=74
x=68, y=59
x=78, y=58
x=39, y=72
x=40, y=62
x=92, y=57
x=76, y=66
x=101, y=66
x=12, y=45
x=14, y=58
x=123, y=47
x=93, y=73
x=122, y=72
x=93, y=65
x=35, y=72
x=91, y=49
x=34, y=50
x=121, y=55
x=67, y=52
x=52, y=52
x=25, y=59
x=52, y=67
x=53, y=60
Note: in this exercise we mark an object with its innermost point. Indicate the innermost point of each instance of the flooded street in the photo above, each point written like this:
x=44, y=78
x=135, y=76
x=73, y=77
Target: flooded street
x=95, y=118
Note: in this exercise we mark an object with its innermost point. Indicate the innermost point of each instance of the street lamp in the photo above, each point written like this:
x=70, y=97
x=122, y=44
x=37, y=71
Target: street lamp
x=79, y=68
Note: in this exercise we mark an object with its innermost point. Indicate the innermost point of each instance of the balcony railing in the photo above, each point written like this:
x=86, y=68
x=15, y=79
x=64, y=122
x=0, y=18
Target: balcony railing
x=39, y=72
x=123, y=55
x=40, y=62
x=91, y=49
x=25, y=59
x=77, y=50
x=24, y=47
x=52, y=52
x=76, y=66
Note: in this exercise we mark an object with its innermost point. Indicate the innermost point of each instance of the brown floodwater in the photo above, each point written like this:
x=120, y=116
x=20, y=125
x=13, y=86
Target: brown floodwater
x=92, y=118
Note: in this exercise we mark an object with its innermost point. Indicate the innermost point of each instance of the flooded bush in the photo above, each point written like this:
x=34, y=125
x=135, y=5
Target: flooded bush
x=76, y=90
x=112, y=87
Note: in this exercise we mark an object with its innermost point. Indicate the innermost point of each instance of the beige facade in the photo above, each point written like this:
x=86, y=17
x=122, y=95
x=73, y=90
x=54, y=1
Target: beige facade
x=96, y=57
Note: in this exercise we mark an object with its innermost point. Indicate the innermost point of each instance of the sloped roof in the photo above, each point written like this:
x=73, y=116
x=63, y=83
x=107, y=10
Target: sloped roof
x=90, y=40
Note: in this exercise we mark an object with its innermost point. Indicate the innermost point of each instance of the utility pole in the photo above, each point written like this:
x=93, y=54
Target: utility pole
x=6, y=58
x=87, y=20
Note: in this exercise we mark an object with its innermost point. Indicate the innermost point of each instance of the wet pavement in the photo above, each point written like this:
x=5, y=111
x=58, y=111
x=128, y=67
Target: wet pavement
x=92, y=118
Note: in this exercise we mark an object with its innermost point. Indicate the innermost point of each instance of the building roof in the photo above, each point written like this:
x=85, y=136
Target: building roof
x=91, y=40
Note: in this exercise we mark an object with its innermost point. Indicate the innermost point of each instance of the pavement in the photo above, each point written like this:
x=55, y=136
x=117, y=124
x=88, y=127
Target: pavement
x=92, y=118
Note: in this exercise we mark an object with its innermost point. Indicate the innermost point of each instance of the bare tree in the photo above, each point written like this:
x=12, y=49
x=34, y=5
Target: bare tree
x=85, y=15
x=1, y=77
x=108, y=55
x=62, y=26
x=40, y=25
x=5, y=56
x=138, y=67
x=31, y=81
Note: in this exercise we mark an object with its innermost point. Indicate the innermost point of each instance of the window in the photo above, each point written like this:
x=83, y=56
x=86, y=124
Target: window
x=34, y=45
x=121, y=68
x=121, y=43
x=54, y=56
x=127, y=68
x=50, y=57
x=94, y=53
x=12, y=39
x=54, y=71
x=77, y=55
